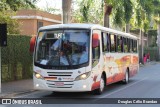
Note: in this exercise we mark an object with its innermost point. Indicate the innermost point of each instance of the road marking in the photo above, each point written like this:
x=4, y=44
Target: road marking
x=122, y=88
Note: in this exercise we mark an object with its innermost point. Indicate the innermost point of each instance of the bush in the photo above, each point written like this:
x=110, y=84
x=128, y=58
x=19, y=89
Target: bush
x=16, y=59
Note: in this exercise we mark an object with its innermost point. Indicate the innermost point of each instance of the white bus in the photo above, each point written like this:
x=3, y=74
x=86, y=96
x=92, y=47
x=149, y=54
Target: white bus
x=82, y=57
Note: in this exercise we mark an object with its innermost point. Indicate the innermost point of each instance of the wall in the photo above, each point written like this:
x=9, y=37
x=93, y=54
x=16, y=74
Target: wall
x=28, y=20
x=28, y=26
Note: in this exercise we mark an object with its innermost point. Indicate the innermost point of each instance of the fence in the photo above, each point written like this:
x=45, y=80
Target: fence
x=154, y=53
x=16, y=59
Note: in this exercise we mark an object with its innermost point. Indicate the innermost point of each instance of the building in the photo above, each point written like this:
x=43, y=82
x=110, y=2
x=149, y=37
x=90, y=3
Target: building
x=31, y=20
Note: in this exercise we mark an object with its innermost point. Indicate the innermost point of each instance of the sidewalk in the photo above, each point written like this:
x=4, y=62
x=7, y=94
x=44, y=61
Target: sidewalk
x=11, y=89
x=148, y=63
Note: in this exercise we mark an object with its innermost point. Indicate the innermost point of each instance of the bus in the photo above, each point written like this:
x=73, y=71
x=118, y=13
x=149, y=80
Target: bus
x=82, y=57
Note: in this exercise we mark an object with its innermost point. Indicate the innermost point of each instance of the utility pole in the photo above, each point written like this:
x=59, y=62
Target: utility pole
x=141, y=46
x=3, y=43
x=158, y=40
x=0, y=69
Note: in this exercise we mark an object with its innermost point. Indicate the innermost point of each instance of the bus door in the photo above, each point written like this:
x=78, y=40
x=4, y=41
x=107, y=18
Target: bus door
x=96, y=58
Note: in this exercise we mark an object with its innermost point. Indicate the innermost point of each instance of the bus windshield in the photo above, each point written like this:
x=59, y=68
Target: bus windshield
x=62, y=47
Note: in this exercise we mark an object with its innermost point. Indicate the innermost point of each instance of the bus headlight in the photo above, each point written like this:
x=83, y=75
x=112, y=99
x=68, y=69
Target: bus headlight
x=38, y=76
x=83, y=76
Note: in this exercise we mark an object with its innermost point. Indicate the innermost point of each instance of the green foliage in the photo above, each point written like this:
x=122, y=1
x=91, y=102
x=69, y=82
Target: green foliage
x=157, y=11
x=121, y=12
x=17, y=4
x=12, y=24
x=89, y=11
x=16, y=59
x=152, y=32
x=7, y=8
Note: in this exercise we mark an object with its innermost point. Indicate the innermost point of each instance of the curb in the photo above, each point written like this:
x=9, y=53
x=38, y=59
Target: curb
x=10, y=95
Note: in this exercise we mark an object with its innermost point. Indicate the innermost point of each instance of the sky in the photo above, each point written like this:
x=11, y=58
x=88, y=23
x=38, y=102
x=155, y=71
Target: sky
x=51, y=3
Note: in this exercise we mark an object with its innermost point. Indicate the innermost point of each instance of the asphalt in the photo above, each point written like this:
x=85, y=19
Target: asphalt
x=15, y=88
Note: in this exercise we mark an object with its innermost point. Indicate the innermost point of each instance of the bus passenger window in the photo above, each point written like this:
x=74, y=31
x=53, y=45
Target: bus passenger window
x=119, y=42
x=131, y=44
x=134, y=46
x=113, y=43
x=95, y=52
x=128, y=45
x=125, y=45
x=108, y=43
x=105, y=41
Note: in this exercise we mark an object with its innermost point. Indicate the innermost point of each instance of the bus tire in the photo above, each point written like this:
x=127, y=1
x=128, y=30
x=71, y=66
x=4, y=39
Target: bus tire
x=126, y=80
x=102, y=85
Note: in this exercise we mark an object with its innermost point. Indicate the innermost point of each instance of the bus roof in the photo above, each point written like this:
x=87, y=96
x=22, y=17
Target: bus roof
x=87, y=26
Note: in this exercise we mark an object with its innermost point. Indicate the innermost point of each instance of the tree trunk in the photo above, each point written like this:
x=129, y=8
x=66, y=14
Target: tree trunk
x=66, y=8
x=106, y=20
x=141, y=46
x=106, y=16
x=127, y=28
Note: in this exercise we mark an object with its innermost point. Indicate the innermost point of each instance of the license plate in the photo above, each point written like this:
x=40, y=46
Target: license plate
x=59, y=84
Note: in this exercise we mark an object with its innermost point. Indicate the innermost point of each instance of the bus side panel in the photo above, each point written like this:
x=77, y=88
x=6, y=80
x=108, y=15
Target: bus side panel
x=114, y=67
x=116, y=64
x=134, y=65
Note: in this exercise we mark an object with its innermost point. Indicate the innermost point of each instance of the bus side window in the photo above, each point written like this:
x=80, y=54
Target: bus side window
x=125, y=45
x=136, y=46
x=104, y=42
x=95, y=51
x=122, y=44
x=113, y=44
x=119, y=42
x=108, y=42
x=128, y=45
x=131, y=46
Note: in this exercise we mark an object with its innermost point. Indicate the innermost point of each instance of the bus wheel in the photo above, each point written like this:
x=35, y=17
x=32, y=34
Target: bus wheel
x=126, y=80
x=102, y=85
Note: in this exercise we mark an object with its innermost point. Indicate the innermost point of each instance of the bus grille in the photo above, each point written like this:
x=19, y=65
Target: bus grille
x=68, y=84
x=59, y=74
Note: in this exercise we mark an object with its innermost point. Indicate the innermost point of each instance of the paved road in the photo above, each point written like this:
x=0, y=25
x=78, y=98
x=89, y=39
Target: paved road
x=146, y=84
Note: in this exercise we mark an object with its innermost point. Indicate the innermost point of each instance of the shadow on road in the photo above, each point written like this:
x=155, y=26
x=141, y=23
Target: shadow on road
x=108, y=89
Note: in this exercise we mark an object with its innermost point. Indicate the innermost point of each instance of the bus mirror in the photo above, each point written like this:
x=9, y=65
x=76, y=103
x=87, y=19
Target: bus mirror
x=32, y=44
x=95, y=40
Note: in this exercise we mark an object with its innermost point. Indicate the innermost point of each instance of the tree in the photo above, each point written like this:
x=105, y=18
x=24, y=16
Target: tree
x=12, y=24
x=107, y=12
x=66, y=8
x=157, y=19
x=8, y=8
x=143, y=11
x=89, y=11
x=20, y=4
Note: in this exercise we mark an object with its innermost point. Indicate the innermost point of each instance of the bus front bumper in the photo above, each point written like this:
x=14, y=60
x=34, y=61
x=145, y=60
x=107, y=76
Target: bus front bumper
x=67, y=86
